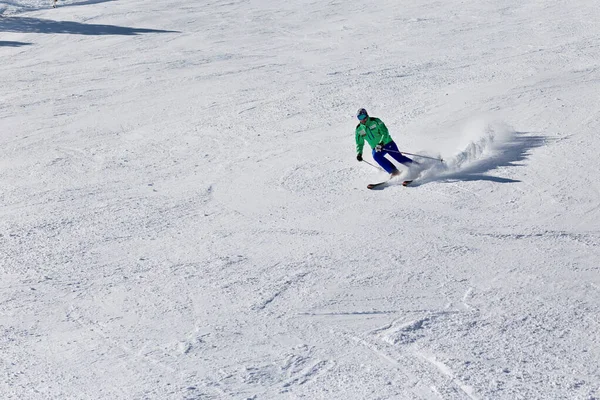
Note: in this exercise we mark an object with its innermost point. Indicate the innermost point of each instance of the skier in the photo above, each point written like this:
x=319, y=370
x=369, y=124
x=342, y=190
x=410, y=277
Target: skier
x=374, y=131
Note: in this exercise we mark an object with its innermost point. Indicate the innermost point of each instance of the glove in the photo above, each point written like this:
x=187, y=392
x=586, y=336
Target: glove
x=359, y=157
x=379, y=147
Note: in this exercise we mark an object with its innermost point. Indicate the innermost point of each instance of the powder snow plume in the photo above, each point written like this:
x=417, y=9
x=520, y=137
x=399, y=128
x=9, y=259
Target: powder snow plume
x=482, y=147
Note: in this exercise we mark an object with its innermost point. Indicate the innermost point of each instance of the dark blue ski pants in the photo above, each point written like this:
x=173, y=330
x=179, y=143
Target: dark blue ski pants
x=393, y=151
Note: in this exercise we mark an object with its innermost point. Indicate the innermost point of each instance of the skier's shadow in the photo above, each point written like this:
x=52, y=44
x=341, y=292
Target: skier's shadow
x=4, y=43
x=509, y=154
x=38, y=25
x=84, y=3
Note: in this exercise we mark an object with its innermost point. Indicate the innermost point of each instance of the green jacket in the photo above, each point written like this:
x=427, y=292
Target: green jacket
x=374, y=132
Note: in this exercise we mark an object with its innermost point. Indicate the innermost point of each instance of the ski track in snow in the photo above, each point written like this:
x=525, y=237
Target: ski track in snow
x=182, y=215
x=425, y=381
x=468, y=390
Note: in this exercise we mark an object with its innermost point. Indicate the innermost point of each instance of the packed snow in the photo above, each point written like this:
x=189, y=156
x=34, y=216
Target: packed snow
x=182, y=215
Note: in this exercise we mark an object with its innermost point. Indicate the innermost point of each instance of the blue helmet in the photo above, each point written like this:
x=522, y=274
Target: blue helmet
x=362, y=113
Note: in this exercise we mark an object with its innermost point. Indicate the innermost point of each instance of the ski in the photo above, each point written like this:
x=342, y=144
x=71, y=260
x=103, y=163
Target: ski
x=378, y=184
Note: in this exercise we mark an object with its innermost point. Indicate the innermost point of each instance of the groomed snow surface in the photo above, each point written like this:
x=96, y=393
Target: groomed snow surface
x=182, y=215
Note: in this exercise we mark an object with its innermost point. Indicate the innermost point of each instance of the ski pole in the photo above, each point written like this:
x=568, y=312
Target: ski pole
x=416, y=155
x=374, y=166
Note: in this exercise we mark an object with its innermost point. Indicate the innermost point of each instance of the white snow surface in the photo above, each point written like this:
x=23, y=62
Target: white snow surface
x=182, y=215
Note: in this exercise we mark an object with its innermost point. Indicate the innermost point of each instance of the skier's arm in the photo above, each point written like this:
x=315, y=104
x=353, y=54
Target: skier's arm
x=360, y=143
x=385, y=135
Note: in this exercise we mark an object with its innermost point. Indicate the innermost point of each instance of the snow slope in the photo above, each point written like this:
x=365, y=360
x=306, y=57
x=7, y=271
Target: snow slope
x=182, y=215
